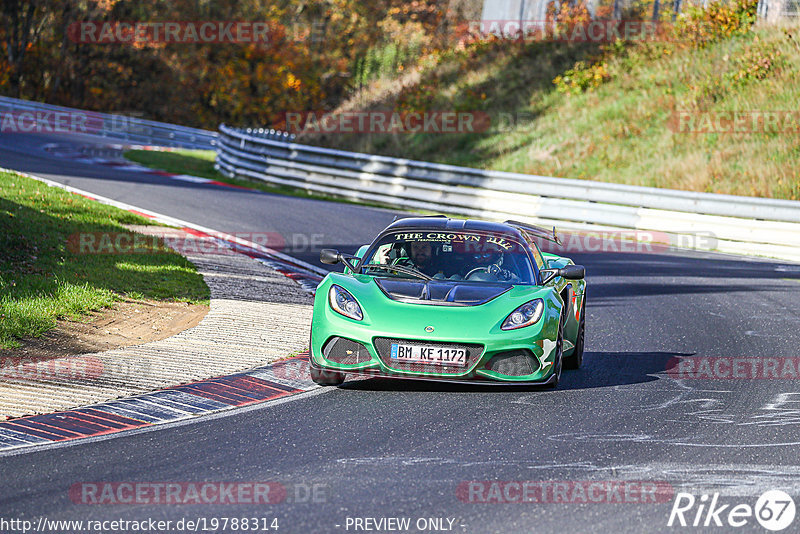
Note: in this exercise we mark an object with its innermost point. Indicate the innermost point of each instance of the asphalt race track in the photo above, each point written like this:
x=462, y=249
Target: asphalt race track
x=379, y=448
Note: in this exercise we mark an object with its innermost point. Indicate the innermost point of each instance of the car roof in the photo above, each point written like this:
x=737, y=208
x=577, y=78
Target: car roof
x=441, y=222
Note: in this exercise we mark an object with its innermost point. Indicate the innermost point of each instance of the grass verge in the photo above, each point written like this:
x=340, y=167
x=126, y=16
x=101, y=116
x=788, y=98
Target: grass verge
x=42, y=279
x=192, y=162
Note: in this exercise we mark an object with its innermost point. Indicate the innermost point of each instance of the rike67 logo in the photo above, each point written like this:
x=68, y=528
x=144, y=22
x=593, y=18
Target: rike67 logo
x=774, y=510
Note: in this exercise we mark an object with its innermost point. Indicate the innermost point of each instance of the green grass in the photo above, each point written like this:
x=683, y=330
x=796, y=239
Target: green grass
x=192, y=162
x=618, y=132
x=42, y=279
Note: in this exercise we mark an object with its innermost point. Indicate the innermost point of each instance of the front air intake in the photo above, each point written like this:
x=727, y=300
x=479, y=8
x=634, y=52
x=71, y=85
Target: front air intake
x=345, y=351
x=513, y=363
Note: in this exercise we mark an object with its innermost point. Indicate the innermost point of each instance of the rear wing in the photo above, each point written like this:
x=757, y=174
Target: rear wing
x=537, y=231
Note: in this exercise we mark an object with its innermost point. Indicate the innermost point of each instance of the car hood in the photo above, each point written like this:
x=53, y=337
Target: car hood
x=442, y=292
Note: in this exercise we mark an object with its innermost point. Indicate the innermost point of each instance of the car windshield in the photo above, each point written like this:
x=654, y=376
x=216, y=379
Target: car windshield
x=463, y=256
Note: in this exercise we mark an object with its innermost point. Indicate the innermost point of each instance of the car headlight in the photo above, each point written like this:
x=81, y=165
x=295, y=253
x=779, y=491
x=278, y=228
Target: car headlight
x=526, y=315
x=344, y=303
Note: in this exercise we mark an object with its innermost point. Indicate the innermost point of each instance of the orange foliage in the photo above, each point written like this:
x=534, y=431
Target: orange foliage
x=306, y=63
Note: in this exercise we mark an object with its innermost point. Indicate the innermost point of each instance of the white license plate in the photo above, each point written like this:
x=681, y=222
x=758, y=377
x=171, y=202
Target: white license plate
x=429, y=354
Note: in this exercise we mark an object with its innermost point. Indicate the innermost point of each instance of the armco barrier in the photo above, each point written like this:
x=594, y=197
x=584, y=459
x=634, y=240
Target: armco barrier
x=741, y=225
x=112, y=126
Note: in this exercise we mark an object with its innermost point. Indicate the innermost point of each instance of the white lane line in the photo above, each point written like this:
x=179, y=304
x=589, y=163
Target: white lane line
x=188, y=178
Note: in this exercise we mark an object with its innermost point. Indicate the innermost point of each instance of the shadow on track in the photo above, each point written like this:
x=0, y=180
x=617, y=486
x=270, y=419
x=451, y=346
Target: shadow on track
x=600, y=369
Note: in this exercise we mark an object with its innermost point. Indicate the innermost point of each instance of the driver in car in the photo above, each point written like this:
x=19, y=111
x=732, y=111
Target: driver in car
x=420, y=258
x=487, y=266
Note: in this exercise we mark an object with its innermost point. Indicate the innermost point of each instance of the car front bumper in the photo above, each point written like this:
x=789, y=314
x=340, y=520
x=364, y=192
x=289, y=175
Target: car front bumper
x=536, y=343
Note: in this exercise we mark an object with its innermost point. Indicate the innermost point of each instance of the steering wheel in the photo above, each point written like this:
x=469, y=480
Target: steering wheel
x=493, y=269
x=475, y=270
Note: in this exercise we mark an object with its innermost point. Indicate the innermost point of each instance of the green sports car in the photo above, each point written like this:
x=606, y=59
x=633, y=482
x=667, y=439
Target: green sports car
x=436, y=298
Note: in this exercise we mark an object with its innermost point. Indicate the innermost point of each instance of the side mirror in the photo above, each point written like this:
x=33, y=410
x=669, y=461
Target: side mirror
x=570, y=272
x=573, y=272
x=329, y=256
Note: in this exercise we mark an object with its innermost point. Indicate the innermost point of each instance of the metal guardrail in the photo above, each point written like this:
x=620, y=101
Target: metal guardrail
x=270, y=134
x=730, y=223
x=40, y=117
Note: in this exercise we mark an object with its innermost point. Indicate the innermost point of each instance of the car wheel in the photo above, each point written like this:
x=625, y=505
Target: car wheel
x=327, y=378
x=575, y=360
x=559, y=356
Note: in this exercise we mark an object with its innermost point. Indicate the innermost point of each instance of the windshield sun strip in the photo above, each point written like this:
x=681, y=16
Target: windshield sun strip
x=526, y=252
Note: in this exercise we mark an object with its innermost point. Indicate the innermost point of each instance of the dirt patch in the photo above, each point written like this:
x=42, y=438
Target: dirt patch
x=126, y=323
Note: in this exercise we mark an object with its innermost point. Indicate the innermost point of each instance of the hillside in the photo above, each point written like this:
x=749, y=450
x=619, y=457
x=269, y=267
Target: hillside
x=617, y=112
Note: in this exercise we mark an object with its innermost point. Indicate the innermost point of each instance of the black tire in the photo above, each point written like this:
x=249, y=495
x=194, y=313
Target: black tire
x=575, y=360
x=559, y=363
x=327, y=378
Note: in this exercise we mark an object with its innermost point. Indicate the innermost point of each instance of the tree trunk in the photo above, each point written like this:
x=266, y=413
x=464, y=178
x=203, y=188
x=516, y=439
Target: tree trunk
x=17, y=17
x=676, y=8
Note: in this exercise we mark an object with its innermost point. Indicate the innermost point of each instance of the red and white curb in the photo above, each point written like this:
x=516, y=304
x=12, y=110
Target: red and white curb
x=270, y=383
